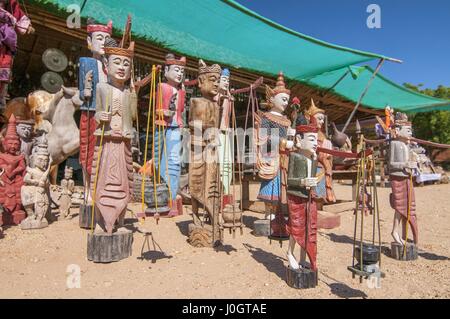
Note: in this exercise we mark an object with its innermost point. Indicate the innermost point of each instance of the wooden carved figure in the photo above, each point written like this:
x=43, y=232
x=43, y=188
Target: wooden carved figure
x=170, y=98
x=225, y=100
x=114, y=119
x=67, y=186
x=302, y=225
x=273, y=130
x=12, y=170
x=324, y=189
x=35, y=192
x=92, y=71
x=203, y=167
x=402, y=165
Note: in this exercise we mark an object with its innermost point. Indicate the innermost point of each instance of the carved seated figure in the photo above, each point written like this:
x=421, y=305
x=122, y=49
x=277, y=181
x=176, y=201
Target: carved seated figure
x=35, y=192
x=12, y=169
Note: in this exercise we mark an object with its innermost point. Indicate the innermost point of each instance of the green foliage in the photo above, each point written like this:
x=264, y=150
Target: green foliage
x=432, y=126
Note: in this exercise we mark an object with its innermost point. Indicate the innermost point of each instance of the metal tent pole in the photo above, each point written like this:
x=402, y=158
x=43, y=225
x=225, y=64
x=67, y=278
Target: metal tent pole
x=380, y=63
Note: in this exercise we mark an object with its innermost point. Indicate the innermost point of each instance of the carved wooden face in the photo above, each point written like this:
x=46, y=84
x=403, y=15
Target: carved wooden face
x=119, y=67
x=209, y=84
x=24, y=130
x=404, y=130
x=96, y=42
x=279, y=102
x=224, y=83
x=307, y=142
x=11, y=146
x=174, y=73
x=41, y=162
x=68, y=174
x=320, y=119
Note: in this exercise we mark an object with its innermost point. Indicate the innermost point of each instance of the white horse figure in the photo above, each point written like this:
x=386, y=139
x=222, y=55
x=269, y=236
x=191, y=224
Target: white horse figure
x=58, y=123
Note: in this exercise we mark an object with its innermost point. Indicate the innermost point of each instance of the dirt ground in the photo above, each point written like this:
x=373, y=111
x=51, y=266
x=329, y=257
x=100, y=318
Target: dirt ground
x=34, y=263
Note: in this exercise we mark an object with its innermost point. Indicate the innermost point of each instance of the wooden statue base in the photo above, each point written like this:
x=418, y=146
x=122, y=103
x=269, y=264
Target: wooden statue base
x=85, y=216
x=302, y=278
x=261, y=227
x=201, y=236
x=411, y=252
x=33, y=224
x=104, y=248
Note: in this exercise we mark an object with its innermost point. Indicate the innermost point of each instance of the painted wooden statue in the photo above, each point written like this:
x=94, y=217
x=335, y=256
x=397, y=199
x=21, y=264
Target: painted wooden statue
x=170, y=98
x=225, y=100
x=273, y=129
x=35, y=192
x=92, y=71
x=302, y=225
x=204, y=118
x=402, y=166
x=114, y=115
x=324, y=189
x=12, y=170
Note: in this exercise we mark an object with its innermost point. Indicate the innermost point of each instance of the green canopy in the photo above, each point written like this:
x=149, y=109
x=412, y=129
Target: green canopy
x=349, y=83
x=222, y=31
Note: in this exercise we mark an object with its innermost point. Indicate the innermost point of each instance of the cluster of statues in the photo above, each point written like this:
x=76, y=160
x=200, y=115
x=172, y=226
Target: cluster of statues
x=292, y=158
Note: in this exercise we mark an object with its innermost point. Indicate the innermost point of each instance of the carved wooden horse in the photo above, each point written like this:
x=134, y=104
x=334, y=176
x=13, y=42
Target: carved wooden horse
x=63, y=134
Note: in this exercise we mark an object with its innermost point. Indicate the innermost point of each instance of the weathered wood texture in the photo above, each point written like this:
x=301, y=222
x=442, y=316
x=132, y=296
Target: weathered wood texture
x=104, y=248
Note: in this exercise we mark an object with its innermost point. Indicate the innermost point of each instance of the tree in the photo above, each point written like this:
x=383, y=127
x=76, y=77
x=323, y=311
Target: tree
x=435, y=125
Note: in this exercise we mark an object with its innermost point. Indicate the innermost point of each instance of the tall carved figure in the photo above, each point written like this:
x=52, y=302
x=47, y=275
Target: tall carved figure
x=35, y=192
x=324, y=189
x=302, y=225
x=12, y=170
x=225, y=100
x=402, y=167
x=203, y=166
x=92, y=71
x=273, y=129
x=170, y=105
x=115, y=111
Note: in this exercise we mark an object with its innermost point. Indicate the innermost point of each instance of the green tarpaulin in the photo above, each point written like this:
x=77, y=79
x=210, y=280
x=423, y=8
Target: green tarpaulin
x=222, y=31
x=382, y=91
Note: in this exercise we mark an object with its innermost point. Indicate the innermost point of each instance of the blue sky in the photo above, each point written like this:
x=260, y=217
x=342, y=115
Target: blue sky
x=415, y=31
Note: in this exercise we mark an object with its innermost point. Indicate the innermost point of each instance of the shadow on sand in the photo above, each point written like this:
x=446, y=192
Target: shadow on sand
x=273, y=263
x=342, y=290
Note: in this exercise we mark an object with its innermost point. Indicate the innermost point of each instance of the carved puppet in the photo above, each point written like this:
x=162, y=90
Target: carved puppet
x=203, y=167
x=114, y=115
x=401, y=169
x=273, y=129
x=170, y=98
x=225, y=149
x=301, y=181
x=92, y=71
x=324, y=189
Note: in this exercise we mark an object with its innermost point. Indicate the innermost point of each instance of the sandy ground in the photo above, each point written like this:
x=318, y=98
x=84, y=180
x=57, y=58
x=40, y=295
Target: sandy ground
x=34, y=263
